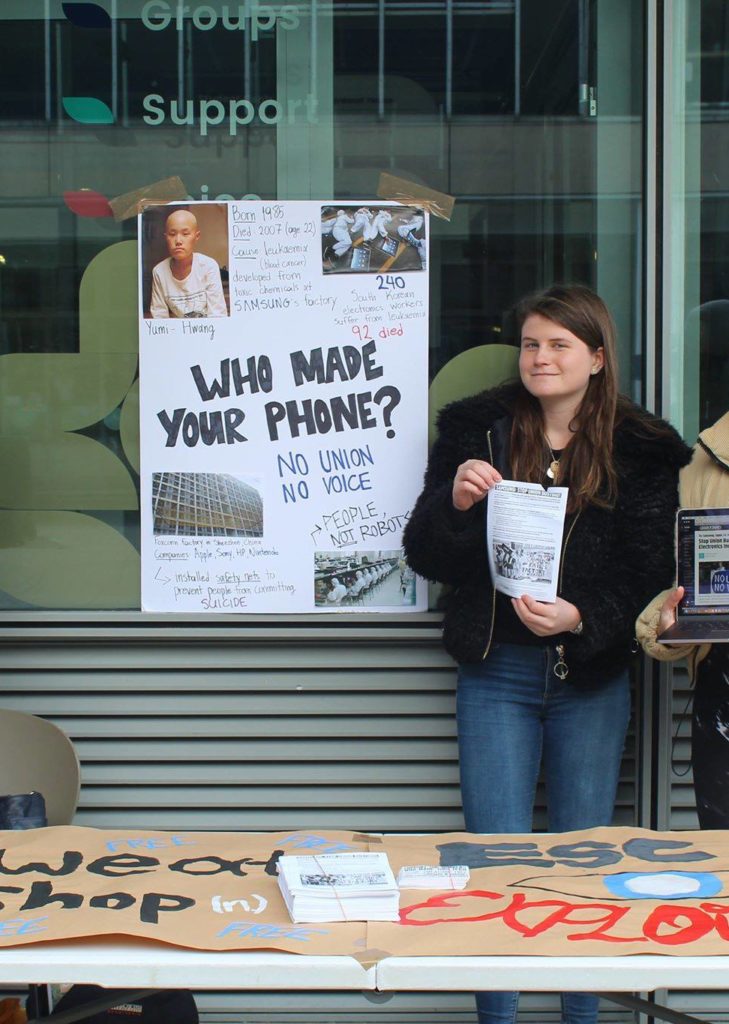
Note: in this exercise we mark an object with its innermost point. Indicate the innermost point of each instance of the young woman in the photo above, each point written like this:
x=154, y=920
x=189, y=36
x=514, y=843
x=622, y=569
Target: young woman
x=704, y=484
x=544, y=682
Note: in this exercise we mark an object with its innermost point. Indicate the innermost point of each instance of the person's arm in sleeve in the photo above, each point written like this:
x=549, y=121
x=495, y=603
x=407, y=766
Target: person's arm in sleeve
x=442, y=543
x=214, y=291
x=158, y=308
x=644, y=544
x=651, y=623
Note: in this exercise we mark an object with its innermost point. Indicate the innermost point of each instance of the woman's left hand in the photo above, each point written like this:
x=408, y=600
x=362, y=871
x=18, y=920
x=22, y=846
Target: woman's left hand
x=546, y=619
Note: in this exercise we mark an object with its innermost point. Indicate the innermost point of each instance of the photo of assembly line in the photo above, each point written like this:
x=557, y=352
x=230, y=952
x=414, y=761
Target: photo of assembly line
x=372, y=239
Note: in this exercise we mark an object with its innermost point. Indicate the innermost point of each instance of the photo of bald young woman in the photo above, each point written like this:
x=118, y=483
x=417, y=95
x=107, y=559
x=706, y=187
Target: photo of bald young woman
x=187, y=281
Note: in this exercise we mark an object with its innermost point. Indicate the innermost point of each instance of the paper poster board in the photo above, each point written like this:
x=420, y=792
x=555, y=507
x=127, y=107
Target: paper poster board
x=283, y=405
x=605, y=892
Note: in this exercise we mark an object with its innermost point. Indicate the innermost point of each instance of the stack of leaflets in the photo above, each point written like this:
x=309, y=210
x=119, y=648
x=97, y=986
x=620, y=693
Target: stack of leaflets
x=431, y=876
x=339, y=887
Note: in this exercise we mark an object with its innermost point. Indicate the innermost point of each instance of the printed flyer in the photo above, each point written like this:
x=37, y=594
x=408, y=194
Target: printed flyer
x=283, y=405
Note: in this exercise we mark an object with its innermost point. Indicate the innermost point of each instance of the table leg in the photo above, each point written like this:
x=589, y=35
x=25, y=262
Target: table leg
x=90, y=1008
x=651, y=1009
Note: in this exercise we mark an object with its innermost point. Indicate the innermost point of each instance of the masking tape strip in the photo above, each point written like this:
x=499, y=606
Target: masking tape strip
x=370, y=957
x=364, y=837
x=169, y=190
x=400, y=190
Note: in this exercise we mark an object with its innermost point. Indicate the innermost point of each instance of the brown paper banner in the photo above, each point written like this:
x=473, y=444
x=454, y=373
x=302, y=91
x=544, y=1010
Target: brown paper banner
x=596, y=892
x=213, y=891
x=401, y=190
x=609, y=891
x=168, y=190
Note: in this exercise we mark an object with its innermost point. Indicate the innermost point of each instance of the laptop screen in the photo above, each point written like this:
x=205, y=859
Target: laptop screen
x=702, y=556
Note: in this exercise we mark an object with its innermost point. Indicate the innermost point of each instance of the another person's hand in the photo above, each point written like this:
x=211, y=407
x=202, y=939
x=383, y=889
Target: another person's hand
x=667, y=615
x=471, y=483
x=546, y=619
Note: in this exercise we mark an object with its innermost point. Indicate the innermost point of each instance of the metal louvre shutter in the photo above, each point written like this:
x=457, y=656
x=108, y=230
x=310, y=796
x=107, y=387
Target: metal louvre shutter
x=344, y=732
x=398, y=1008
x=235, y=736
x=678, y=807
x=676, y=751
x=280, y=728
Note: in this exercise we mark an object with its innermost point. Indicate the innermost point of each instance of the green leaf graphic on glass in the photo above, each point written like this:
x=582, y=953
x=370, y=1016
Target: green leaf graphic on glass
x=52, y=555
x=108, y=303
x=129, y=426
x=67, y=560
x=469, y=372
x=65, y=471
x=87, y=110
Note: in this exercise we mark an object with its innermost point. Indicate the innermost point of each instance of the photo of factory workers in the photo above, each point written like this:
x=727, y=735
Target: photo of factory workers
x=517, y=561
x=361, y=578
x=185, y=261
x=372, y=239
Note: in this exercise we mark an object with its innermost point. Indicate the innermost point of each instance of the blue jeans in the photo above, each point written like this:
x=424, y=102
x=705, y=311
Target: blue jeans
x=513, y=714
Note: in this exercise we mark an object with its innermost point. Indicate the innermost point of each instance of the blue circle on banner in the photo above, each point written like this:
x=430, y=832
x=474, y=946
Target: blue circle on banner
x=663, y=885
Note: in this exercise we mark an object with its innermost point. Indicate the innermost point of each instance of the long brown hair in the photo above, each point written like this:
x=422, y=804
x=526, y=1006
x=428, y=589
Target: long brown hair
x=586, y=464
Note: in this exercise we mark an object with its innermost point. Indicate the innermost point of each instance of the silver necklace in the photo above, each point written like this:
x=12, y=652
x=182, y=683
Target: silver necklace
x=553, y=467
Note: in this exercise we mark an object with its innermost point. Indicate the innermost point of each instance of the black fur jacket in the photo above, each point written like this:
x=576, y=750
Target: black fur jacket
x=613, y=560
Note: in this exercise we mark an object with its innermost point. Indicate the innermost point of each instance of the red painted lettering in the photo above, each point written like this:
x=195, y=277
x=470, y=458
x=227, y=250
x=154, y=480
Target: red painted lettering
x=449, y=900
x=687, y=923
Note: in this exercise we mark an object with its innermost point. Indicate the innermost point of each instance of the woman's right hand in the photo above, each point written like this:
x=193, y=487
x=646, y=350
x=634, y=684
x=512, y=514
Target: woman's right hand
x=472, y=481
x=667, y=615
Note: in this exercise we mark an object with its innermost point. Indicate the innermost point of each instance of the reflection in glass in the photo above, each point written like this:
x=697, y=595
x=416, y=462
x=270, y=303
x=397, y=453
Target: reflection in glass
x=528, y=112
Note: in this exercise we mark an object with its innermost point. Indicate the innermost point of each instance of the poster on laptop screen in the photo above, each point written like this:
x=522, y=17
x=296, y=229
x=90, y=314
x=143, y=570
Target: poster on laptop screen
x=283, y=405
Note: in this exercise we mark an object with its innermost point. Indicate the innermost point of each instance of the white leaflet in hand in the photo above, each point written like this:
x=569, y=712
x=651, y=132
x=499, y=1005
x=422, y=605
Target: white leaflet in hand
x=524, y=526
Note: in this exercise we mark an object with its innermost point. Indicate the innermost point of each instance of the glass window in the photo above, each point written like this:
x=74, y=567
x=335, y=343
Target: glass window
x=696, y=366
x=528, y=112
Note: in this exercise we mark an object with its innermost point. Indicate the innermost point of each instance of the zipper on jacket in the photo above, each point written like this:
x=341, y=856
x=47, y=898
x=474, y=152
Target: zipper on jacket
x=561, y=668
x=493, y=590
x=564, y=546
